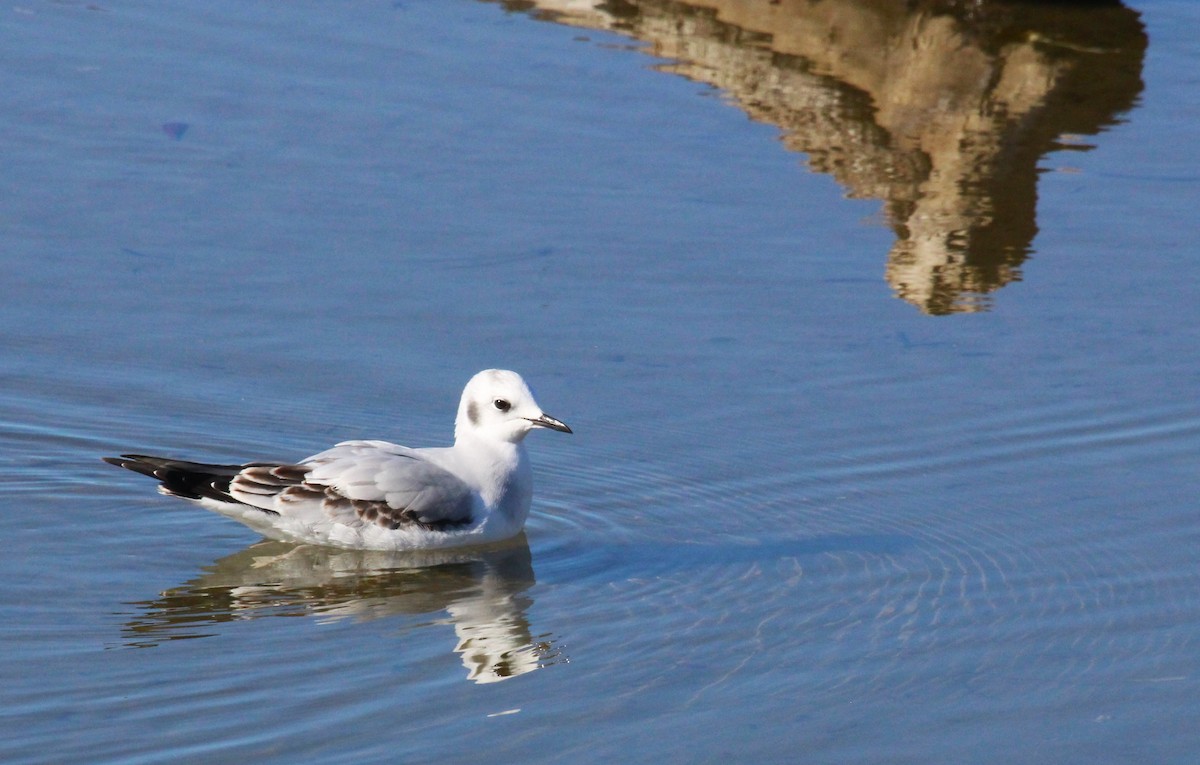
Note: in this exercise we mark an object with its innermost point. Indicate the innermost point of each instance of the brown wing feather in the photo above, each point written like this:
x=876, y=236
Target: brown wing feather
x=289, y=484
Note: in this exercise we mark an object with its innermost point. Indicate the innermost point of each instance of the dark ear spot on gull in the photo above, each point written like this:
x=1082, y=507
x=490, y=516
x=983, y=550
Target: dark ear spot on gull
x=473, y=413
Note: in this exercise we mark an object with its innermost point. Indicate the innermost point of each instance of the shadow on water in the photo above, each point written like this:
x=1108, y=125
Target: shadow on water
x=942, y=110
x=484, y=592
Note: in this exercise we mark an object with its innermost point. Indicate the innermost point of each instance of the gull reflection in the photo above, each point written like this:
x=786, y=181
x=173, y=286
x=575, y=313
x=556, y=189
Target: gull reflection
x=941, y=109
x=483, y=591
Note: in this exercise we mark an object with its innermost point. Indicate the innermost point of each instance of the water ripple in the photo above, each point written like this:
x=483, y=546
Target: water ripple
x=818, y=562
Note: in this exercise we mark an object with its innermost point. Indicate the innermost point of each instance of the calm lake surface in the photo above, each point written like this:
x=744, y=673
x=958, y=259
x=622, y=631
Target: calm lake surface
x=877, y=327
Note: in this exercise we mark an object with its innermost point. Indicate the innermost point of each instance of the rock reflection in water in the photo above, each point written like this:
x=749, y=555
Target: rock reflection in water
x=940, y=109
x=484, y=591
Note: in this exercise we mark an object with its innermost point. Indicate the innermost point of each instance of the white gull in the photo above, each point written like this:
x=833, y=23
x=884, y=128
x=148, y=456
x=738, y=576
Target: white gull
x=378, y=495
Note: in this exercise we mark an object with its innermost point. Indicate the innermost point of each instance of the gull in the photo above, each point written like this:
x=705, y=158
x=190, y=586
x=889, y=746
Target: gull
x=377, y=495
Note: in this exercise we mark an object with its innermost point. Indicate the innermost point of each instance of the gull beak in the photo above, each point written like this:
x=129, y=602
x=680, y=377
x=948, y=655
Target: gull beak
x=546, y=421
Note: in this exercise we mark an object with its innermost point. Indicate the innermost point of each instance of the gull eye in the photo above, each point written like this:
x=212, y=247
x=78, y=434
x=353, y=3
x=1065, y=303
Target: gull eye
x=502, y=405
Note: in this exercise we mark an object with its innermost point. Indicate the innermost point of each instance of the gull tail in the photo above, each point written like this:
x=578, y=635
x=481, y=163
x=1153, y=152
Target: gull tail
x=189, y=480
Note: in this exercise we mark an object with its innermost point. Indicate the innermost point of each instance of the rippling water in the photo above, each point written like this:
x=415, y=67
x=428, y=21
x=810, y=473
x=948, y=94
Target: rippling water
x=877, y=327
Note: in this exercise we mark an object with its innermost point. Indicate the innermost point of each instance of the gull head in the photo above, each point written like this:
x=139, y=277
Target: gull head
x=497, y=405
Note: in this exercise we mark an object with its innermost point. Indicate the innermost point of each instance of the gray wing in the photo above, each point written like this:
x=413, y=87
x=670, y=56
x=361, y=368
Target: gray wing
x=383, y=483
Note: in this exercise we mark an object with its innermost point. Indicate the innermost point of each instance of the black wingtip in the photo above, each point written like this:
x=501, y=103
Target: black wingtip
x=189, y=480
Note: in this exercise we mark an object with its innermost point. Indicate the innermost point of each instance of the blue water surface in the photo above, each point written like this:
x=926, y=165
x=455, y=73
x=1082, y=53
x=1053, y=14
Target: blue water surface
x=872, y=462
